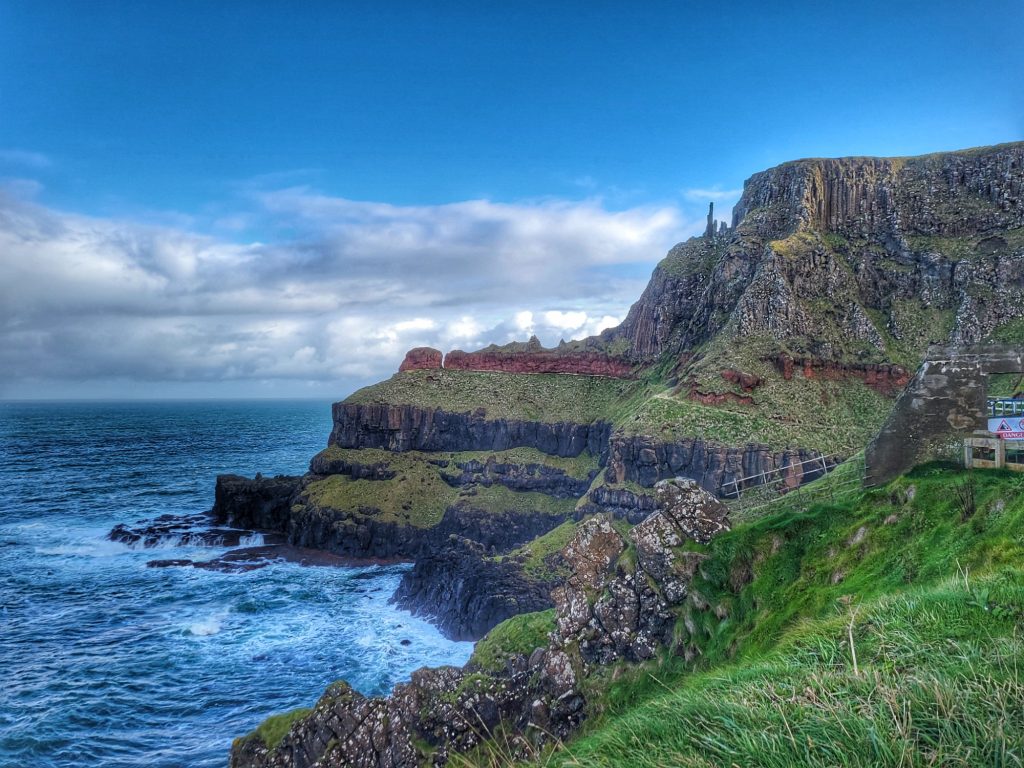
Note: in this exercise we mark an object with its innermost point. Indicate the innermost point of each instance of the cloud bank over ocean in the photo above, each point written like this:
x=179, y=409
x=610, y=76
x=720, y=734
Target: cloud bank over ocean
x=329, y=297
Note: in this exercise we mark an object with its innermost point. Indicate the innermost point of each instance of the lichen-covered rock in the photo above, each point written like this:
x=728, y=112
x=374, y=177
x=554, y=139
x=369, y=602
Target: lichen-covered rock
x=590, y=553
x=614, y=607
x=656, y=540
x=692, y=511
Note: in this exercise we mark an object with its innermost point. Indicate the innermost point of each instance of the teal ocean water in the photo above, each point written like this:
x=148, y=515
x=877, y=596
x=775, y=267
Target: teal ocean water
x=107, y=662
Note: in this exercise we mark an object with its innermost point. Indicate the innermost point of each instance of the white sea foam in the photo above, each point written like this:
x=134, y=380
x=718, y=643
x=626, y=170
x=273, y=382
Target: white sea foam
x=252, y=540
x=211, y=625
x=88, y=548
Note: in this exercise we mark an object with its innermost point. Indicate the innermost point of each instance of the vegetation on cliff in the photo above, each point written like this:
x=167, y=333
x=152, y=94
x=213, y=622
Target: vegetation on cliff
x=418, y=487
x=882, y=630
x=544, y=397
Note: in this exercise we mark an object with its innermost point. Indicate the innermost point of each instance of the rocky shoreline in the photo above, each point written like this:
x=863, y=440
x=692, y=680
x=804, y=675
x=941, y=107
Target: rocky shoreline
x=610, y=607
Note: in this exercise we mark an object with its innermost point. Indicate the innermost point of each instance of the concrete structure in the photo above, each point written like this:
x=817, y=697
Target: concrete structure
x=943, y=404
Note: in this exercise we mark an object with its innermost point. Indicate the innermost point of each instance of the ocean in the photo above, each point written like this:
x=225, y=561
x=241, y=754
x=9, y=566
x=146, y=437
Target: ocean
x=107, y=662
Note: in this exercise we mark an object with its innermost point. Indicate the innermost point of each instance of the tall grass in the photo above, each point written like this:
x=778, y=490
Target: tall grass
x=886, y=629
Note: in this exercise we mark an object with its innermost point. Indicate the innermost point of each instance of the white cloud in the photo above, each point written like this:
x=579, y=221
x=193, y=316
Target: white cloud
x=338, y=296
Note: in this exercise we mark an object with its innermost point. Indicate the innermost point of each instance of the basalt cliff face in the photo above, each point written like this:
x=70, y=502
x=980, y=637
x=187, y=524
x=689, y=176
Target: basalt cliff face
x=413, y=428
x=762, y=353
x=824, y=256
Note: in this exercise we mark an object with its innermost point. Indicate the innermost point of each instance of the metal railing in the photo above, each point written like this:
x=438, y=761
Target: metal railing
x=748, y=494
x=1004, y=406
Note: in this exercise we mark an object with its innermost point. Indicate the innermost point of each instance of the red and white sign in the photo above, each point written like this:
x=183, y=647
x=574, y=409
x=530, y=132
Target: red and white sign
x=1008, y=428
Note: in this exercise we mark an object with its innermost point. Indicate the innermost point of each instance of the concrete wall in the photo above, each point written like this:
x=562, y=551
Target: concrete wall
x=944, y=403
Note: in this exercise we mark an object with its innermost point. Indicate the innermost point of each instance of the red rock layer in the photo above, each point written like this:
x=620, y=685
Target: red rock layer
x=421, y=357
x=748, y=382
x=885, y=378
x=546, y=361
x=719, y=398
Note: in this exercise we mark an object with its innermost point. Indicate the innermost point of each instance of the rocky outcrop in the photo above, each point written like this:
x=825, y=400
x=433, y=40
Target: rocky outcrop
x=643, y=460
x=262, y=503
x=460, y=580
x=275, y=505
x=884, y=378
x=326, y=464
x=352, y=533
x=443, y=711
x=465, y=591
x=413, y=428
x=610, y=608
x=531, y=476
x=176, y=530
x=950, y=193
x=533, y=358
x=620, y=503
x=748, y=382
x=496, y=530
x=823, y=255
x=421, y=358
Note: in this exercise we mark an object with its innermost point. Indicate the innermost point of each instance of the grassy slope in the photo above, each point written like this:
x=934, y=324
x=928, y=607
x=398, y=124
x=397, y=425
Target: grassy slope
x=418, y=494
x=519, y=635
x=542, y=397
x=933, y=598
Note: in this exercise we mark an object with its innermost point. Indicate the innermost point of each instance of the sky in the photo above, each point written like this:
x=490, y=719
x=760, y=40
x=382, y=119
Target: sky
x=274, y=199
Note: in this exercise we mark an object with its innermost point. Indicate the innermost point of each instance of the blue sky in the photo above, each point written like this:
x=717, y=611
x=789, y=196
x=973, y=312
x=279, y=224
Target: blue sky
x=318, y=155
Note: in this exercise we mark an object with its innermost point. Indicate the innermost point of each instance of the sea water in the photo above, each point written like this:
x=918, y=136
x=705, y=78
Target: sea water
x=107, y=662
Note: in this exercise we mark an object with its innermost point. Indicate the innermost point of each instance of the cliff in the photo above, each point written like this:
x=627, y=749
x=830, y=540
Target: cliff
x=824, y=255
x=768, y=350
x=411, y=428
x=610, y=608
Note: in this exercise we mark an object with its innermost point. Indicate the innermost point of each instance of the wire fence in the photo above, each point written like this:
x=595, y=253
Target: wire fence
x=834, y=477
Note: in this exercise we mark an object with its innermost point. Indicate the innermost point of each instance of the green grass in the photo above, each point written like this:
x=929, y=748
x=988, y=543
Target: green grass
x=937, y=683
x=418, y=494
x=275, y=727
x=1005, y=384
x=930, y=588
x=828, y=416
x=1008, y=333
x=498, y=498
x=541, y=397
x=520, y=634
x=535, y=553
x=415, y=496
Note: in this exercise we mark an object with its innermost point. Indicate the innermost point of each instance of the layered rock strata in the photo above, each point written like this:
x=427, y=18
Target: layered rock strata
x=530, y=357
x=580, y=362
x=644, y=460
x=414, y=428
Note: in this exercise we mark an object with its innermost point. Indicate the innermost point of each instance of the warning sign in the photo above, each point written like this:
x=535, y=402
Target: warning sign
x=1007, y=428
